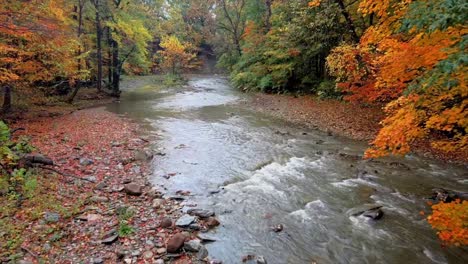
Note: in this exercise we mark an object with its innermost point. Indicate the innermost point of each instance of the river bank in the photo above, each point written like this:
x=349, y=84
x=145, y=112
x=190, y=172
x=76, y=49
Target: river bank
x=95, y=204
x=340, y=118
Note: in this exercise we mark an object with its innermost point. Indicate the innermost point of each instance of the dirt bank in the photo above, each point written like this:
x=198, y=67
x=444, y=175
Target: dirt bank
x=341, y=118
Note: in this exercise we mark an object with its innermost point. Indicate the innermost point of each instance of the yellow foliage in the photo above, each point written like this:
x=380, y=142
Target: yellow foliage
x=451, y=222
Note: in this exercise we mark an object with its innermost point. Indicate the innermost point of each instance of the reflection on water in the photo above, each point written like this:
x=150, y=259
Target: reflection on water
x=272, y=172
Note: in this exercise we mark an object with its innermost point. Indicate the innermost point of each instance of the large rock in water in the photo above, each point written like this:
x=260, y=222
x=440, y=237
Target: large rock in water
x=201, y=213
x=371, y=211
x=133, y=189
x=175, y=243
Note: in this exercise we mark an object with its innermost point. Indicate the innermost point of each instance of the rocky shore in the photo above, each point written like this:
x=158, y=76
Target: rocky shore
x=104, y=208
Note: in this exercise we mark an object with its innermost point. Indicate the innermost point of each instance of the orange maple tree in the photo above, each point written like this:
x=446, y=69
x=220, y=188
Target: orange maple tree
x=451, y=222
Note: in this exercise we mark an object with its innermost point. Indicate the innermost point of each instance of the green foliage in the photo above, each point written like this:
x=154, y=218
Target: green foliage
x=125, y=229
x=328, y=90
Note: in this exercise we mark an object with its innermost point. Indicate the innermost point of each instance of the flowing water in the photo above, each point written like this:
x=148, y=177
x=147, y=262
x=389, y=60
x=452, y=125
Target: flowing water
x=272, y=172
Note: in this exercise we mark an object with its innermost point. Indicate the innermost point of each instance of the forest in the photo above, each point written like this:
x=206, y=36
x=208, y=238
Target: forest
x=405, y=58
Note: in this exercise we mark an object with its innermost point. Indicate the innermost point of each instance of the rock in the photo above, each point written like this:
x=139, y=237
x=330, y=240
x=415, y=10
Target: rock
x=201, y=213
x=374, y=214
x=159, y=261
x=202, y=253
x=214, y=191
x=215, y=261
x=86, y=162
x=143, y=155
x=175, y=243
x=133, y=189
x=166, y=222
x=261, y=260
x=157, y=203
x=177, y=198
x=90, y=178
x=206, y=238
x=277, y=228
x=212, y=222
x=93, y=217
x=99, y=199
x=51, y=217
x=100, y=185
x=148, y=254
x=23, y=261
x=161, y=251
x=110, y=237
x=192, y=245
x=98, y=261
x=447, y=196
x=185, y=220
x=194, y=226
x=136, y=253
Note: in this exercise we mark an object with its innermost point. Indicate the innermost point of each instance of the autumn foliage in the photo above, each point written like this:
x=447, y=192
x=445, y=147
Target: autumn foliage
x=413, y=60
x=451, y=222
x=176, y=56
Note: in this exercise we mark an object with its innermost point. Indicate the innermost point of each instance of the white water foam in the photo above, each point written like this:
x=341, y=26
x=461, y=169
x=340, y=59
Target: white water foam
x=436, y=259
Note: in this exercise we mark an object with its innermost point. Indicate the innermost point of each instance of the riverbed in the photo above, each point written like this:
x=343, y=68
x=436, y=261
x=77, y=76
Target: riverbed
x=257, y=171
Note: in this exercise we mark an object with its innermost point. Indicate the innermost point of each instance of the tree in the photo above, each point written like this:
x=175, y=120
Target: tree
x=175, y=56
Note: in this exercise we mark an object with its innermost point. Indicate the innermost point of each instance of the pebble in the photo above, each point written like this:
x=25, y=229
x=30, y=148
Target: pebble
x=148, y=254
x=166, y=222
x=161, y=251
x=133, y=189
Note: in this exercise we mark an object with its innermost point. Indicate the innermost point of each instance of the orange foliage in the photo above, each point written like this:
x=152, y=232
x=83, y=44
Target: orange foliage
x=451, y=222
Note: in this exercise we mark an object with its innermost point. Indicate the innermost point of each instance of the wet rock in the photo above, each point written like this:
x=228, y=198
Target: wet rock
x=194, y=226
x=215, y=261
x=261, y=260
x=192, y=245
x=185, y=220
x=86, y=162
x=374, y=214
x=206, y=238
x=91, y=178
x=144, y=155
x=201, y=213
x=166, y=222
x=51, y=217
x=148, y=254
x=214, y=191
x=447, y=196
x=202, y=253
x=136, y=253
x=133, y=189
x=100, y=186
x=175, y=243
x=277, y=228
x=159, y=261
x=177, y=198
x=212, y=222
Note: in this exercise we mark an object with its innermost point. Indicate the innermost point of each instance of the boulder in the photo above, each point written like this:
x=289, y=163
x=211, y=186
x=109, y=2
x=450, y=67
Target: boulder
x=201, y=213
x=133, y=189
x=175, y=243
x=185, y=220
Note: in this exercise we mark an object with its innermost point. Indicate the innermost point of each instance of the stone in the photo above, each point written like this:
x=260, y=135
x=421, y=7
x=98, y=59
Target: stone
x=161, y=251
x=159, y=261
x=99, y=199
x=201, y=213
x=277, y=228
x=85, y=162
x=192, y=245
x=261, y=260
x=143, y=155
x=194, y=226
x=98, y=261
x=133, y=189
x=175, y=243
x=206, y=238
x=51, y=217
x=212, y=222
x=166, y=222
x=185, y=220
x=148, y=254
x=374, y=214
x=215, y=261
x=110, y=239
x=202, y=253
x=157, y=203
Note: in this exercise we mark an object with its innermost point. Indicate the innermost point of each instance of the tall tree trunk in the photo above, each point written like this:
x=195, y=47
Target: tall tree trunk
x=268, y=15
x=79, y=10
x=6, y=99
x=110, y=63
x=349, y=21
x=98, y=45
x=117, y=68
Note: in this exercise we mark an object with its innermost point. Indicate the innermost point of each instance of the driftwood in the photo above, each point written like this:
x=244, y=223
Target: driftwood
x=37, y=159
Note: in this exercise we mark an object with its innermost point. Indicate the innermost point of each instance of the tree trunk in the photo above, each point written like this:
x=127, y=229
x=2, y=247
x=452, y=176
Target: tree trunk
x=116, y=65
x=6, y=99
x=268, y=15
x=98, y=45
x=80, y=25
x=349, y=21
x=110, y=63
